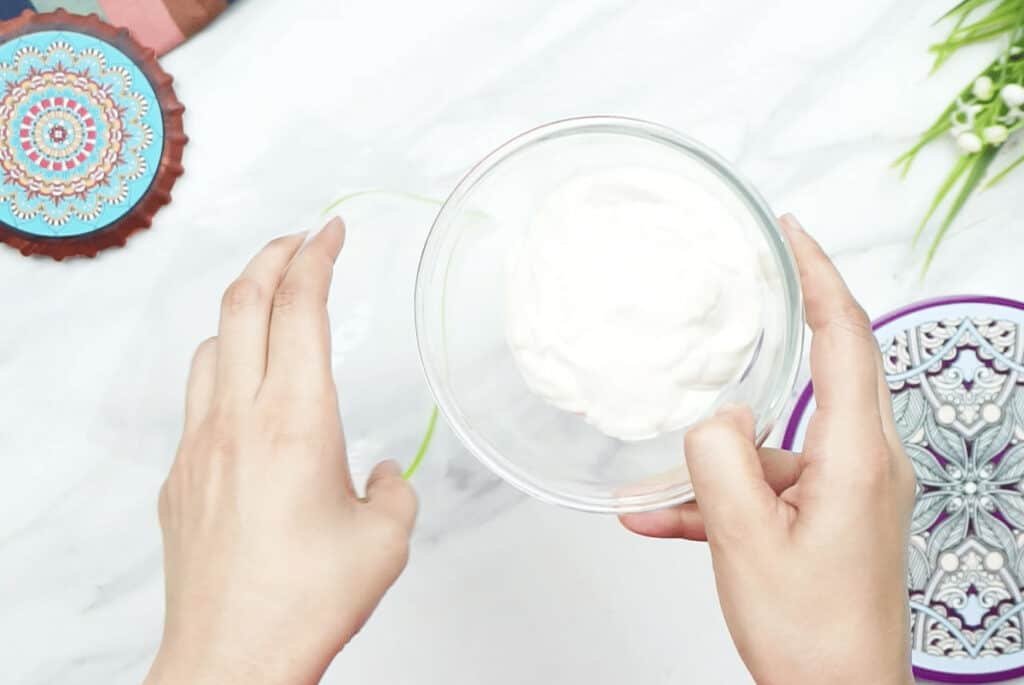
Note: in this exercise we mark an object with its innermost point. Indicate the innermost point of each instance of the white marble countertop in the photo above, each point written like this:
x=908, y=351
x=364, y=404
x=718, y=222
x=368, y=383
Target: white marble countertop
x=292, y=103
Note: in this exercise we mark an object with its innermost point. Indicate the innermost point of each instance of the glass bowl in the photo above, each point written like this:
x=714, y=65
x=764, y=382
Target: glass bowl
x=546, y=452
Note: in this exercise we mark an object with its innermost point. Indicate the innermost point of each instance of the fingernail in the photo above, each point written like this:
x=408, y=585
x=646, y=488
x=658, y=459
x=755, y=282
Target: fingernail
x=790, y=221
x=335, y=223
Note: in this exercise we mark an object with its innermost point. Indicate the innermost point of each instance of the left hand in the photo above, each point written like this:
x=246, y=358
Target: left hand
x=272, y=563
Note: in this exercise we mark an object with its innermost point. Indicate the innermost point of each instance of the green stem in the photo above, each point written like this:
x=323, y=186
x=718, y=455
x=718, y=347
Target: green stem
x=1004, y=17
x=380, y=191
x=1005, y=172
x=432, y=423
x=947, y=185
x=999, y=18
x=962, y=10
x=979, y=165
x=424, y=446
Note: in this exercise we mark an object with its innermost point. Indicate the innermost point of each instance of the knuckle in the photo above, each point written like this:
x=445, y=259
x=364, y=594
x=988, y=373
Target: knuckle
x=851, y=318
x=289, y=296
x=204, y=349
x=292, y=435
x=877, y=471
x=242, y=294
x=219, y=435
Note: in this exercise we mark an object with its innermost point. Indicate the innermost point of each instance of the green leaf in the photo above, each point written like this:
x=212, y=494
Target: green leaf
x=961, y=166
x=939, y=127
x=979, y=166
x=1005, y=172
x=959, y=8
x=1007, y=16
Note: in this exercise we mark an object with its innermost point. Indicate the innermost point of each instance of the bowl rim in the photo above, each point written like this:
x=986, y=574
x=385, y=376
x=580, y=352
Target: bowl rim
x=483, y=451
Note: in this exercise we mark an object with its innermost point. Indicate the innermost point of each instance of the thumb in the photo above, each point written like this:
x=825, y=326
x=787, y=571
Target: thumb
x=727, y=475
x=388, y=493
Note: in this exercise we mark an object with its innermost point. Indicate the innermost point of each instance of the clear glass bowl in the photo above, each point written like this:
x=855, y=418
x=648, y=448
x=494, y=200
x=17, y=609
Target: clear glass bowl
x=460, y=320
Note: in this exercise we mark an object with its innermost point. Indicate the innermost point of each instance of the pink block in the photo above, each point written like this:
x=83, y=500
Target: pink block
x=148, y=20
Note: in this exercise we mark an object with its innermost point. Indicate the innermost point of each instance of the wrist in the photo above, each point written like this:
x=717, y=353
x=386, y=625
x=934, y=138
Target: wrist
x=180, y=664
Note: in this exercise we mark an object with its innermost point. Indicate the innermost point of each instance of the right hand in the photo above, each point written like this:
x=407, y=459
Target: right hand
x=809, y=550
x=272, y=562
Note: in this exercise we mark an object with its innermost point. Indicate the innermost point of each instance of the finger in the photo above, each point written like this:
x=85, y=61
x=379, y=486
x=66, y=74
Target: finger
x=781, y=471
x=727, y=476
x=199, y=390
x=843, y=347
x=299, y=353
x=388, y=493
x=782, y=468
x=682, y=521
x=245, y=318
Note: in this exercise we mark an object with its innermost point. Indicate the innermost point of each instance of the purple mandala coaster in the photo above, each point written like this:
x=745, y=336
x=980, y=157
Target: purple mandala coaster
x=956, y=370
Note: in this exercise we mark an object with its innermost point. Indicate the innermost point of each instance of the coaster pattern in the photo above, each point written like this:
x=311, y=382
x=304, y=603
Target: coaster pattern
x=88, y=128
x=956, y=368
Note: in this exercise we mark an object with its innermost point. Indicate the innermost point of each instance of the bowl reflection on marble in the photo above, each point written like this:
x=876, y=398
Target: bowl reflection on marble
x=460, y=319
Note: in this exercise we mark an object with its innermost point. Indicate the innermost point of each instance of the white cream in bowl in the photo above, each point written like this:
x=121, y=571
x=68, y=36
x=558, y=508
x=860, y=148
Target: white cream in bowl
x=634, y=298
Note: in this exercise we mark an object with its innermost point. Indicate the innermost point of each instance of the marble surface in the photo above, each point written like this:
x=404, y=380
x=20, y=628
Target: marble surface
x=295, y=102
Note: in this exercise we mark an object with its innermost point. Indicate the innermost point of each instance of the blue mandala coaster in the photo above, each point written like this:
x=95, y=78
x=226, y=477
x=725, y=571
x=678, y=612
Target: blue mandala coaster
x=90, y=135
x=955, y=367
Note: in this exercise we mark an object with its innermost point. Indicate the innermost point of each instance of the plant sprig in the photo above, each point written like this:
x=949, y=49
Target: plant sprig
x=1007, y=17
x=984, y=115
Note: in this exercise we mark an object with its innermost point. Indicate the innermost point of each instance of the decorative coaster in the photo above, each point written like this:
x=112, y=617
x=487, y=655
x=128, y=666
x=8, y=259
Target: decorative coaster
x=90, y=135
x=954, y=366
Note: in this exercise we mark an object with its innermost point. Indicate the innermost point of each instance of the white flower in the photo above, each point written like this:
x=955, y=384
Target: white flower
x=1013, y=116
x=1013, y=95
x=963, y=116
x=969, y=142
x=983, y=89
x=995, y=135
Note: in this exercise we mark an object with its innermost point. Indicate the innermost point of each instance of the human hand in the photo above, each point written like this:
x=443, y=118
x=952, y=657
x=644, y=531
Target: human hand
x=272, y=563
x=809, y=550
